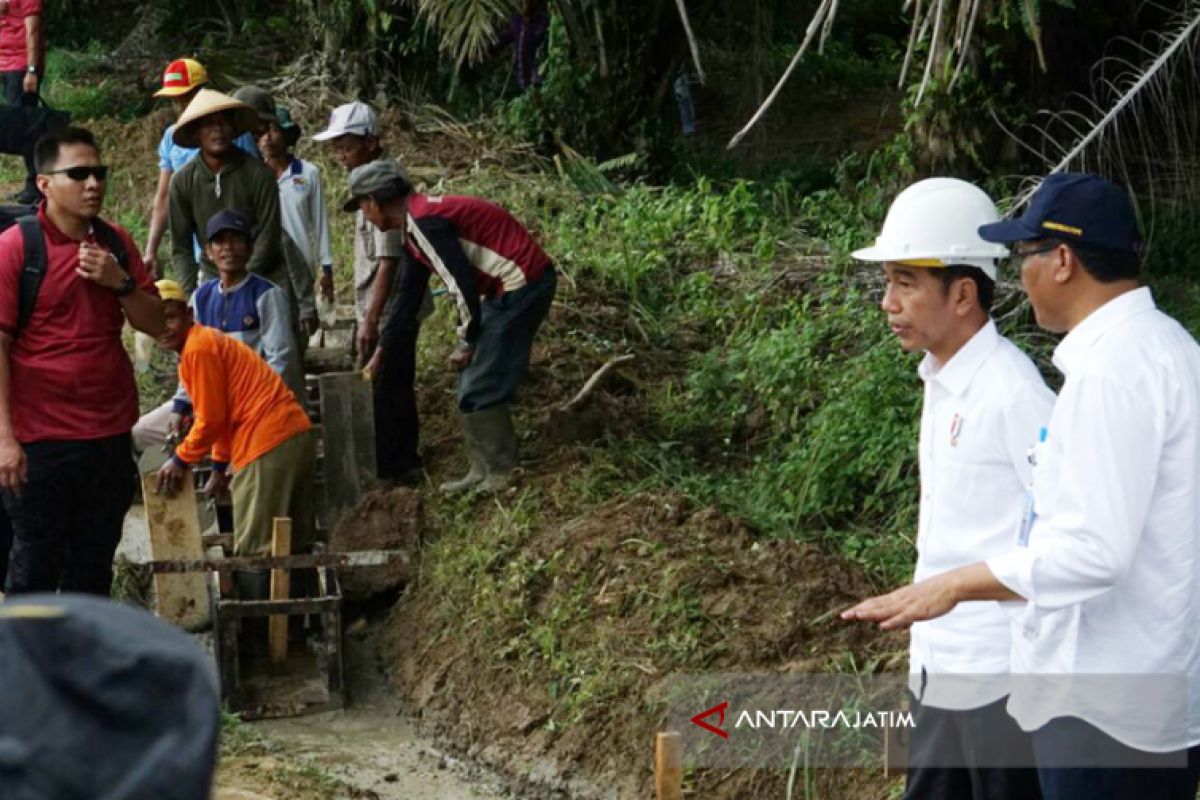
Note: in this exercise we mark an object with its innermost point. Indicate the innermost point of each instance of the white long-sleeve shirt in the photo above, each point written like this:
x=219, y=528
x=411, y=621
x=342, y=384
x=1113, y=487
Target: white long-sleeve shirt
x=1111, y=573
x=303, y=213
x=982, y=410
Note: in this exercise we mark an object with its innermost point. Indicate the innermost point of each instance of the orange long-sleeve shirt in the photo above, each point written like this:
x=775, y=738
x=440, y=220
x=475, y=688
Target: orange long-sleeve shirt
x=242, y=408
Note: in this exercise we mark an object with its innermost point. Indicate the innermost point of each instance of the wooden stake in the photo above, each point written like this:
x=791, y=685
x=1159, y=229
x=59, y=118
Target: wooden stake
x=668, y=766
x=281, y=545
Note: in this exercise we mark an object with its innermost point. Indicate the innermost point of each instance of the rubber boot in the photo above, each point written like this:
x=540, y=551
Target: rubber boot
x=497, y=446
x=476, y=474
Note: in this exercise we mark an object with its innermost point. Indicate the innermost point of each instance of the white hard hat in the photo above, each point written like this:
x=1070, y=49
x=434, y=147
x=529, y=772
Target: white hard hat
x=937, y=221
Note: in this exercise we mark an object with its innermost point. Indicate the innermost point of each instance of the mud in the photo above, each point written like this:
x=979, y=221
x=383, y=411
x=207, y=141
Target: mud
x=385, y=519
x=754, y=606
x=373, y=748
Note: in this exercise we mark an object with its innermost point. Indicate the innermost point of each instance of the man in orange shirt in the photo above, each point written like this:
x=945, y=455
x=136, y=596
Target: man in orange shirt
x=248, y=417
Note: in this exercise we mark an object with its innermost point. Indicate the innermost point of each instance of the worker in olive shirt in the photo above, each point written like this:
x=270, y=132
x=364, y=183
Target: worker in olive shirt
x=248, y=418
x=502, y=283
x=222, y=177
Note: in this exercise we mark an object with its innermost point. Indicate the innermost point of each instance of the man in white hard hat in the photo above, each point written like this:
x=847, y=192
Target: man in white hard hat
x=1104, y=576
x=984, y=405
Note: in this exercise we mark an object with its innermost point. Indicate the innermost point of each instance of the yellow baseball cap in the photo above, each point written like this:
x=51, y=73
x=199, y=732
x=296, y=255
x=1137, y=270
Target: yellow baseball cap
x=182, y=76
x=170, y=290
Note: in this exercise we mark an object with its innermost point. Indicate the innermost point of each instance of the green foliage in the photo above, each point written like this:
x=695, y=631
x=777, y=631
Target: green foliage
x=80, y=83
x=794, y=410
x=467, y=27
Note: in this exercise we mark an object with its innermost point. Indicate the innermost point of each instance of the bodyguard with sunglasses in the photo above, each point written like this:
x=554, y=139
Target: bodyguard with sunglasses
x=67, y=394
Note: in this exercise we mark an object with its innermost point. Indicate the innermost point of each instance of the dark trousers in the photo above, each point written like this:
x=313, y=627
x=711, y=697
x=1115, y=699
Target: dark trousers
x=397, y=427
x=68, y=518
x=5, y=543
x=1067, y=740
x=944, y=744
x=507, y=326
x=14, y=95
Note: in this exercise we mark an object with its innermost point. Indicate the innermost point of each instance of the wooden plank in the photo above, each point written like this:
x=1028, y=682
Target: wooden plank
x=668, y=766
x=348, y=418
x=236, y=609
x=222, y=540
x=281, y=545
x=174, y=528
x=362, y=558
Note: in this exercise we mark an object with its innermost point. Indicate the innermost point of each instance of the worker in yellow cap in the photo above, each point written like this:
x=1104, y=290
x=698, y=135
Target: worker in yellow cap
x=181, y=80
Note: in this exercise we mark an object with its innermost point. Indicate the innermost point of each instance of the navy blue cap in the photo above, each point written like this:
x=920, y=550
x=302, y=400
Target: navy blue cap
x=1074, y=207
x=228, y=220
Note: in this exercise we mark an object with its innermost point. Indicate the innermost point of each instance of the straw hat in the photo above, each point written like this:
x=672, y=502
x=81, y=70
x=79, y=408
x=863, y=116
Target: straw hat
x=206, y=103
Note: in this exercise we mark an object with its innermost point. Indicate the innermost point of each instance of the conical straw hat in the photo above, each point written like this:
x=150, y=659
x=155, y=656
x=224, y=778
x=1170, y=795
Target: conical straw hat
x=205, y=103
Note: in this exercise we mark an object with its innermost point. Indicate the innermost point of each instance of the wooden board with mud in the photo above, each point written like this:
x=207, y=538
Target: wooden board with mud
x=174, y=526
x=383, y=520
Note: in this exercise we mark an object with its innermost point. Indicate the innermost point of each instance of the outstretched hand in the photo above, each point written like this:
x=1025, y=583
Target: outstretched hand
x=917, y=602
x=931, y=598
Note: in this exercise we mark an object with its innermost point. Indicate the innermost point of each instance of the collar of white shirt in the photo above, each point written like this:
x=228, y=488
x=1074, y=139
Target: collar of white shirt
x=235, y=287
x=956, y=374
x=1071, y=349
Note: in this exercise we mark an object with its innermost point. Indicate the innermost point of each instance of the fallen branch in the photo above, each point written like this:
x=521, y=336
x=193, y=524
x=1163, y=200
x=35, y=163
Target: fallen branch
x=687, y=29
x=597, y=376
x=814, y=26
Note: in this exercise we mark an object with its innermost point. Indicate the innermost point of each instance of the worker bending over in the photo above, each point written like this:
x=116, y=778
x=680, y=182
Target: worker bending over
x=480, y=251
x=249, y=419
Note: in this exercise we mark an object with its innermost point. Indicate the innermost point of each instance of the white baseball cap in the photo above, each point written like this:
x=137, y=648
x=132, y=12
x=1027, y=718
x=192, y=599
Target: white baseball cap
x=354, y=118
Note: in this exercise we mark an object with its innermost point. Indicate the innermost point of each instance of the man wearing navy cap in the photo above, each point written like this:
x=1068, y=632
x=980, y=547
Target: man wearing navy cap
x=1104, y=567
x=246, y=306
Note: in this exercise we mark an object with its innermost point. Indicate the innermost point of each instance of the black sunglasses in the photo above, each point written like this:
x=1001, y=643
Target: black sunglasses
x=81, y=174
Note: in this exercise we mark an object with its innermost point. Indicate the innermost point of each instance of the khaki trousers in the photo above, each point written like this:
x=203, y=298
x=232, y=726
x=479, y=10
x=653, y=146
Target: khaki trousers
x=278, y=483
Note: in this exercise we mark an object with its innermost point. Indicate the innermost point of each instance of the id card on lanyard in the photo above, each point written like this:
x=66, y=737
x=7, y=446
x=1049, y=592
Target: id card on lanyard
x=1029, y=514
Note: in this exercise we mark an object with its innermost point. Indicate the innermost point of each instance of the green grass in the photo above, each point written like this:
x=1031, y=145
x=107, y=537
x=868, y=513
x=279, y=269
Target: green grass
x=81, y=83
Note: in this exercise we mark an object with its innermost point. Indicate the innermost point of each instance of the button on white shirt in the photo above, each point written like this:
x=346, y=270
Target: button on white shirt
x=982, y=410
x=1110, y=573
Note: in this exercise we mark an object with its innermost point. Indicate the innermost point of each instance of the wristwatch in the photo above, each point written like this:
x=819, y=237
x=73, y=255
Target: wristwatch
x=127, y=286
x=31, y=69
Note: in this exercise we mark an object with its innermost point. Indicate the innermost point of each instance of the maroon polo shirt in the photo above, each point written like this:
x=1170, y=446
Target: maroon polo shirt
x=71, y=378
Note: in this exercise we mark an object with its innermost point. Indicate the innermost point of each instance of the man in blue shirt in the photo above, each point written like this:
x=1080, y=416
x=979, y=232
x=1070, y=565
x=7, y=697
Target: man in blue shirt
x=181, y=80
x=243, y=305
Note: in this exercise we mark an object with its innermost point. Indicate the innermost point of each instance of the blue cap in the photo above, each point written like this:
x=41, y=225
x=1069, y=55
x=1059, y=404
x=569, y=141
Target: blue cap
x=228, y=220
x=1074, y=207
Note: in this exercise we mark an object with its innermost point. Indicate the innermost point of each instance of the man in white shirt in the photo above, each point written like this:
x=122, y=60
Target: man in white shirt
x=984, y=404
x=1108, y=564
x=301, y=202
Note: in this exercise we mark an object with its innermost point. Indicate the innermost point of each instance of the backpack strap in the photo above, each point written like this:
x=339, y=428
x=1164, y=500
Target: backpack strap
x=108, y=236
x=33, y=271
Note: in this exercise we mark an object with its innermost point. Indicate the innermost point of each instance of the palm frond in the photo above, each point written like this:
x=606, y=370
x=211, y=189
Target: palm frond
x=467, y=28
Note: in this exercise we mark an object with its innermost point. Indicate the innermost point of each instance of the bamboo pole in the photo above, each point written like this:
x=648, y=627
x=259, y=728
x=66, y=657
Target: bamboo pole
x=281, y=545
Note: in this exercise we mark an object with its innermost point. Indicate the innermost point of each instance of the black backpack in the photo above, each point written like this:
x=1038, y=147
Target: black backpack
x=34, y=270
x=23, y=124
